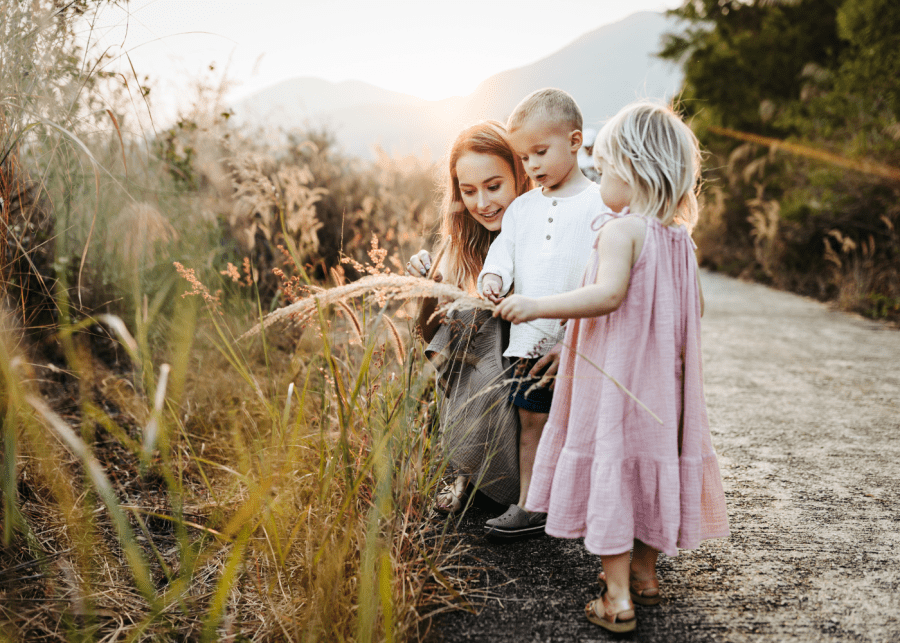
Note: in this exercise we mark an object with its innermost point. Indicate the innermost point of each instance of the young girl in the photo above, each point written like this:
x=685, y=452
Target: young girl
x=623, y=476
x=480, y=429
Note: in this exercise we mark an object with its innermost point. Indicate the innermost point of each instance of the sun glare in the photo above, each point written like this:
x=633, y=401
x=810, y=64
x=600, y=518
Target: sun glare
x=409, y=47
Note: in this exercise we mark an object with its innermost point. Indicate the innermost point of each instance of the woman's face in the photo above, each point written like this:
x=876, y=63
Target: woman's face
x=487, y=186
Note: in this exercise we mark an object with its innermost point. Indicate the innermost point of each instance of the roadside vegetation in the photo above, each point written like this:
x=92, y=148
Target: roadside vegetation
x=798, y=104
x=161, y=478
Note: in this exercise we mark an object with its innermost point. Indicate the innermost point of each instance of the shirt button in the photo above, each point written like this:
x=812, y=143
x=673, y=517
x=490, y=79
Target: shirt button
x=550, y=219
x=548, y=237
x=554, y=203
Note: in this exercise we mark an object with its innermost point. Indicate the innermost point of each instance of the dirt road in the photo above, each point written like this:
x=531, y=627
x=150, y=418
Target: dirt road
x=804, y=405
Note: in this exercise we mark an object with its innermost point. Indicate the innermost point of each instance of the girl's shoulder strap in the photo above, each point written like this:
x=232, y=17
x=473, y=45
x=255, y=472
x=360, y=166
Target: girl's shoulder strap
x=605, y=217
x=620, y=219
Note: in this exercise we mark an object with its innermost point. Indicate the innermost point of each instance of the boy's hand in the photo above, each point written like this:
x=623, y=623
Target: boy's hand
x=490, y=287
x=551, y=362
x=517, y=309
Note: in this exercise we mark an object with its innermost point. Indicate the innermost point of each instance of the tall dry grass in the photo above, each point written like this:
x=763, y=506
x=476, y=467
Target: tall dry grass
x=160, y=478
x=804, y=225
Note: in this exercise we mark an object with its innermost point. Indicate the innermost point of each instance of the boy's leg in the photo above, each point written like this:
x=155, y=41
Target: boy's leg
x=531, y=427
x=516, y=522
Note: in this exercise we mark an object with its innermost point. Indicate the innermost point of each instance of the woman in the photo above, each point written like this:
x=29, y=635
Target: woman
x=480, y=428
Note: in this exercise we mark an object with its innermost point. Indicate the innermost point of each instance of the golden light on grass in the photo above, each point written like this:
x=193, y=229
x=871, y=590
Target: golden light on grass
x=137, y=233
x=160, y=480
x=865, y=166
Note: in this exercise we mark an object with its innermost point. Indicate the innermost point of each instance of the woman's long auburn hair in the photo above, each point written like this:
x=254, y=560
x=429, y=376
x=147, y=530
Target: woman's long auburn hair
x=464, y=242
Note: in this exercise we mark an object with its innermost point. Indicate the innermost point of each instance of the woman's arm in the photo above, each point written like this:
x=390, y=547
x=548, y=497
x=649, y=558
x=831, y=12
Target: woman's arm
x=426, y=323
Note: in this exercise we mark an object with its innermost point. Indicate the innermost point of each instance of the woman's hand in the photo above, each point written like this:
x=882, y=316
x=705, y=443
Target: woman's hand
x=517, y=309
x=419, y=265
x=550, y=361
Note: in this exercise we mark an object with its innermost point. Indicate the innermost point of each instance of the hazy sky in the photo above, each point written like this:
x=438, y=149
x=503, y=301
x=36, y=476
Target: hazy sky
x=427, y=48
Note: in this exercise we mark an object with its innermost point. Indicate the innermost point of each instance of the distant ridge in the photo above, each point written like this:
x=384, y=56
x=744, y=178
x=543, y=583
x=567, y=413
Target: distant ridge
x=307, y=96
x=604, y=70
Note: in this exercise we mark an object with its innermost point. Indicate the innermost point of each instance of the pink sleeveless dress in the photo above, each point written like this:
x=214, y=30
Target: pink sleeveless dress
x=605, y=469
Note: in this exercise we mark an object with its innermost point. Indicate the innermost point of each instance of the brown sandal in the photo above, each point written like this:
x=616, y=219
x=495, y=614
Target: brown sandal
x=643, y=592
x=618, y=619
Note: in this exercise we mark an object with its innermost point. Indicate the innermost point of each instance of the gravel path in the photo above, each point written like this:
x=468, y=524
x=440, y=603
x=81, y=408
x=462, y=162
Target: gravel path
x=804, y=405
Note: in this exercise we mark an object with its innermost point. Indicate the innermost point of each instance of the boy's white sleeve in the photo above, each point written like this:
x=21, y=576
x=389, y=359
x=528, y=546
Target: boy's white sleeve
x=500, y=258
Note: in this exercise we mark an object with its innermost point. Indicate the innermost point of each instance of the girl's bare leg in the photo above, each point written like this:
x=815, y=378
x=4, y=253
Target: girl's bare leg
x=643, y=561
x=644, y=585
x=617, y=598
x=614, y=610
x=531, y=427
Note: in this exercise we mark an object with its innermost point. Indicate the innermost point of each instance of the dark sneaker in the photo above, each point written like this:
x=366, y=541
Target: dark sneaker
x=515, y=523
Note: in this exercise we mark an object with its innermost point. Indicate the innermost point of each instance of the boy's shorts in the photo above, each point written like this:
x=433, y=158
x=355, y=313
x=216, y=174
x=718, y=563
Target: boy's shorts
x=525, y=393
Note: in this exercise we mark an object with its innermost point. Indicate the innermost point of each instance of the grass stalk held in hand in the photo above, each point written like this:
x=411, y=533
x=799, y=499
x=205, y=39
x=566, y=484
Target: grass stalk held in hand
x=384, y=288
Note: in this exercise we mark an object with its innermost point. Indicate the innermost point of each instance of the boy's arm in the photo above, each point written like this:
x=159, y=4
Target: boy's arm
x=500, y=260
x=606, y=294
x=491, y=286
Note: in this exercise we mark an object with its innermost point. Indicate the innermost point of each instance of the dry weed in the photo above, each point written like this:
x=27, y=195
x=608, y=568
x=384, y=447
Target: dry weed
x=384, y=288
x=136, y=234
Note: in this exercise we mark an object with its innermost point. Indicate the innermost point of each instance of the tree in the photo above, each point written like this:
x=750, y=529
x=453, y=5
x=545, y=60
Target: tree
x=744, y=60
x=823, y=76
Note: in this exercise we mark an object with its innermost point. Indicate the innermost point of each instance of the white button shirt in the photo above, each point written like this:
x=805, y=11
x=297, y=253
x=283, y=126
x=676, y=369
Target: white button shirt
x=542, y=249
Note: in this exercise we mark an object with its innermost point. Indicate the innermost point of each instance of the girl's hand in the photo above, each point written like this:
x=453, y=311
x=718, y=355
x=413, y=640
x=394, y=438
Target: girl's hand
x=551, y=362
x=517, y=309
x=419, y=265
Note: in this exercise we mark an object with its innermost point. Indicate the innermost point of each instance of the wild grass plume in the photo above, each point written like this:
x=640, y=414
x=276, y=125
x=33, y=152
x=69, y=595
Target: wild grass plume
x=384, y=288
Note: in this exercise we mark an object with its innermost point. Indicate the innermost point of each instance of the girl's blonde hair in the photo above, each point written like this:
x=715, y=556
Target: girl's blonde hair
x=657, y=154
x=464, y=242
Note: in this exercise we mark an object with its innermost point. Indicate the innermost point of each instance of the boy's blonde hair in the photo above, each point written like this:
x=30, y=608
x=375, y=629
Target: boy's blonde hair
x=552, y=105
x=657, y=154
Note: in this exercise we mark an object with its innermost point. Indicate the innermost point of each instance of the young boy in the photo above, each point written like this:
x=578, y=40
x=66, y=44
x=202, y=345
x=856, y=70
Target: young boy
x=542, y=249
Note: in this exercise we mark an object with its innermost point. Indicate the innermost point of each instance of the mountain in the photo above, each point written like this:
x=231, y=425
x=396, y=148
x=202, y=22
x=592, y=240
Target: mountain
x=283, y=104
x=603, y=70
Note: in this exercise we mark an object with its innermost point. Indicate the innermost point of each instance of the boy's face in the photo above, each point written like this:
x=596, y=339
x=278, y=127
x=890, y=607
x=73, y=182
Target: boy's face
x=548, y=151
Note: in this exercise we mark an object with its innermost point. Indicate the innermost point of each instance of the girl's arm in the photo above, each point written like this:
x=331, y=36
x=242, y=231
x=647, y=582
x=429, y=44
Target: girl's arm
x=550, y=361
x=618, y=242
